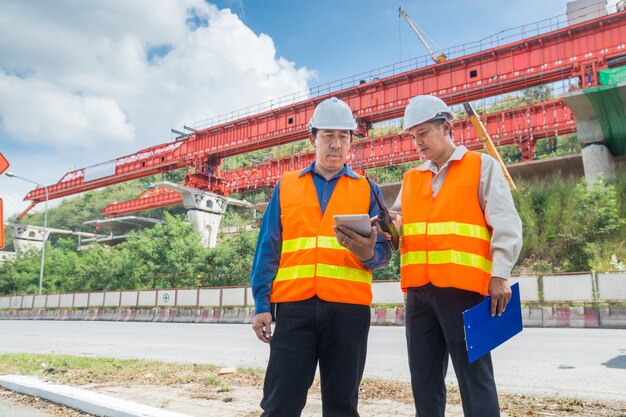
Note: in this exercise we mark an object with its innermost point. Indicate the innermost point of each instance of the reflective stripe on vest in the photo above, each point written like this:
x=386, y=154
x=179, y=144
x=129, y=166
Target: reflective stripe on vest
x=328, y=242
x=446, y=228
x=445, y=256
x=327, y=271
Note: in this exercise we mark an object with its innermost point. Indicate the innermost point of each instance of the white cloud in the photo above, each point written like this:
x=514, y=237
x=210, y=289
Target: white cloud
x=84, y=79
x=36, y=111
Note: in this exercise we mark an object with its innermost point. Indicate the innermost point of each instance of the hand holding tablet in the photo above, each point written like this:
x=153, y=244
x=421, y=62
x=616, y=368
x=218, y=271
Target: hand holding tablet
x=359, y=223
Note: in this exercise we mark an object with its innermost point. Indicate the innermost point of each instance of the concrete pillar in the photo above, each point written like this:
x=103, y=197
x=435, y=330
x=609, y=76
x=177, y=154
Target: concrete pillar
x=27, y=238
x=204, y=210
x=206, y=223
x=597, y=160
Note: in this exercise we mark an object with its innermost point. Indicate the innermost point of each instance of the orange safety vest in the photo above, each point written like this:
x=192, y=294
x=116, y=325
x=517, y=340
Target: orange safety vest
x=312, y=262
x=445, y=241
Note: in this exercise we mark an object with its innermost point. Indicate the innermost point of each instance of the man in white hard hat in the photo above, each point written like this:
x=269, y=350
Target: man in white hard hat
x=461, y=236
x=314, y=278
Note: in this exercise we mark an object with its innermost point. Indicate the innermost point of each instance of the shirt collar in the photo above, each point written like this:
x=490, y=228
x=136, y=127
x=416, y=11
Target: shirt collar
x=346, y=170
x=457, y=155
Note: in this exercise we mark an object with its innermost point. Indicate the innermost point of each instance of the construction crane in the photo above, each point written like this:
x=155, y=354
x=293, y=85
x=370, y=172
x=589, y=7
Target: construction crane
x=436, y=59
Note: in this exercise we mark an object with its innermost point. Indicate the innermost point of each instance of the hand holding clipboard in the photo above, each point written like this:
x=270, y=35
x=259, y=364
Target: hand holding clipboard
x=483, y=333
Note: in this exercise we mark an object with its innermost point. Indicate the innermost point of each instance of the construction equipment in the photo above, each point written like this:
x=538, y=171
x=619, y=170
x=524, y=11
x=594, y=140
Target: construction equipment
x=436, y=59
x=482, y=134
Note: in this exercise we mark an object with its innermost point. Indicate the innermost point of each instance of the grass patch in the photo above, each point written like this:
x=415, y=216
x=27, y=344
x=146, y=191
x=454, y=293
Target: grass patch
x=76, y=370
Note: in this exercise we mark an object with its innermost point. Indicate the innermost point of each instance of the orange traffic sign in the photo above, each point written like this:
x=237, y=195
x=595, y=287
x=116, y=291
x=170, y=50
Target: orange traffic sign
x=4, y=164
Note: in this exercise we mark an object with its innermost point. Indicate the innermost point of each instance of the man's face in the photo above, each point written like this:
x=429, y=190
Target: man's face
x=430, y=139
x=331, y=148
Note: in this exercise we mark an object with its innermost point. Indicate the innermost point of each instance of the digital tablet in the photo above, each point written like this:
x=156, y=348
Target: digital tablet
x=359, y=223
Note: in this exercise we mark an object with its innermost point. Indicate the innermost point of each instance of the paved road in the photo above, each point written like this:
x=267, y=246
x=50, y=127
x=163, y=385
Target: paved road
x=580, y=363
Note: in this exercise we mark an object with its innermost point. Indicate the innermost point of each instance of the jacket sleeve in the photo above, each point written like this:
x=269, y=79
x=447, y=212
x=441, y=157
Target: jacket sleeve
x=267, y=254
x=501, y=215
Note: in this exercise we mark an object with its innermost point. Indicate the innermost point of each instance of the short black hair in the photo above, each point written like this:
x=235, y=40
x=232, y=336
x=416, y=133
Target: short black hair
x=314, y=132
x=437, y=122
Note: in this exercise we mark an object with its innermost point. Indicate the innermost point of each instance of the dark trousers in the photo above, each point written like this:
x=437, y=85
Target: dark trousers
x=434, y=329
x=308, y=332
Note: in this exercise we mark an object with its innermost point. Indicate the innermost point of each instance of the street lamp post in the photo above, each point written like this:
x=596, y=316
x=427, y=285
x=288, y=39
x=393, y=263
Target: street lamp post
x=45, y=226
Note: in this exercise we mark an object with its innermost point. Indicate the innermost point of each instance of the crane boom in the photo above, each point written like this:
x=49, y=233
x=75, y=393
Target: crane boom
x=436, y=59
x=484, y=137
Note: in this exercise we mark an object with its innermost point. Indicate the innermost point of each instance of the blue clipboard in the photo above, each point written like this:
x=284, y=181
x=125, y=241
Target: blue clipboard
x=484, y=333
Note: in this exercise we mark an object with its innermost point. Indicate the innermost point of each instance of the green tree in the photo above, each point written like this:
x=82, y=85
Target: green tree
x=170, y=254
x=230, y=263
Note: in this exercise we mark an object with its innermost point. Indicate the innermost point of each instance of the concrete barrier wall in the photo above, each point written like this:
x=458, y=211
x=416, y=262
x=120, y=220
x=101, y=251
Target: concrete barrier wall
x=96, y=299
x=147, y=299
x=53, y=300
x=129, y=298
x=16, y=302
x=556, y=289
x=387, y=293
x=612, y=286
x=572, y=317
x=81, y=300
x=166, y=298
x=249, y=297
x=561, y=288
x=112, y=299
x=187, y=298
x=27, y=301
x=528, y=287
x=233, y=296
x=209, y=297
x=40, y=301
x=67, y=301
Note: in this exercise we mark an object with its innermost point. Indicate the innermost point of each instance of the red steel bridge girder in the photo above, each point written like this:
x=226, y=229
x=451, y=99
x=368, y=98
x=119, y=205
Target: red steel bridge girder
x=511, y=126
x=545, y=58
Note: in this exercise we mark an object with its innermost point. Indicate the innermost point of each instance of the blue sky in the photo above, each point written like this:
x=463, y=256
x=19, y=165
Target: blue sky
x=87, y=82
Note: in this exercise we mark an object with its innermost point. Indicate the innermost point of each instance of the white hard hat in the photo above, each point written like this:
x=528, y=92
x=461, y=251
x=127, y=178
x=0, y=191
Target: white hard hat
x=332, y=114
x=424, y=108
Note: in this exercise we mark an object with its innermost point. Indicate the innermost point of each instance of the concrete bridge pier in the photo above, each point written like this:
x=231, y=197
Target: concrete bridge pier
x=600, y=125
x=26, y=238
x=204, y=209
x=597, y=160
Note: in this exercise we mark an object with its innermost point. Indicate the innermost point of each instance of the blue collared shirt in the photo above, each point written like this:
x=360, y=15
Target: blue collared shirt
x=269, y=245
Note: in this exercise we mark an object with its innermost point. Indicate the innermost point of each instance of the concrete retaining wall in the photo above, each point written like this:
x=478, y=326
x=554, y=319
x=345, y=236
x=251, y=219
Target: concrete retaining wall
x=235, y=304
x=573, y=317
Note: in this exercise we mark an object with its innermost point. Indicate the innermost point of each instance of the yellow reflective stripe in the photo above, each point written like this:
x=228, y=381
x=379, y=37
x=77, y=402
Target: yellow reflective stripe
x=414, y=229
x=302, y=243
x=295, y=272
x=342, y=272
x=329, y=242
x=460, y=229
x=459, y=258
x=412, y=258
